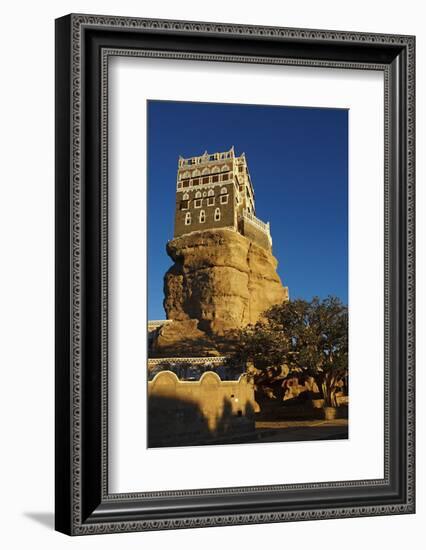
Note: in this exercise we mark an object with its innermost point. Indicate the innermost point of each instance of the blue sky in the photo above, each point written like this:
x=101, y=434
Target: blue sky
x=298, y=161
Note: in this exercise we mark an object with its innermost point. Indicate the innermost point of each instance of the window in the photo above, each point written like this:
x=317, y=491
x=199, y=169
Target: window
x=224, y=168
x=210, y=193
x=240, y=168
x=210, y=201
x=206, y=171
x=224, y=199
x=184, y=205
x=206, y=180
x=215, y=169
x=196, y=181
x=198, y=203
x=198, y=194
x=196, y=173
x=223, y=191
x=202, y=217
x=215, y=179
x=217, y=215
x=225, y=177
x=186, y=175
x=188, y=218
x=185, y=197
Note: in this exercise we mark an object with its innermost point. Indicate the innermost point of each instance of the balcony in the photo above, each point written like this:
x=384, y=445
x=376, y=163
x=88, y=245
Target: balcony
x=258, y=223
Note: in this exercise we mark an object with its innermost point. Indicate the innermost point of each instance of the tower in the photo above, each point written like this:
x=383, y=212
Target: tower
x=215, y=191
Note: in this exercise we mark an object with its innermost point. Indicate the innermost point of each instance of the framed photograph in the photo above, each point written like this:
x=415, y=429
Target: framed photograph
x=234, y=274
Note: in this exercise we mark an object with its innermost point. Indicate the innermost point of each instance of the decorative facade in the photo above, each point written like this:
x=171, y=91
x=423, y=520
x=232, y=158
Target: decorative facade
x=215, y=191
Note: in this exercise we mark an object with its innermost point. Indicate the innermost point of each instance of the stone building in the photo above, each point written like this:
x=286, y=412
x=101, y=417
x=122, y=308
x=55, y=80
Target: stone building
x=224, y=275
x=215, y=191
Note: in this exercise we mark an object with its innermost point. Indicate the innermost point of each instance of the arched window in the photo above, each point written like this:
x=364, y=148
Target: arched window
x=188, y=218
x=206, y=171
x=196, y=173
x=184, y=203
x=224, y=196
x=186, y=175
x=224, y=168
x=215, y=169
x=210, y=198
x=202, y=217
x=217, y=214
x=198, y=200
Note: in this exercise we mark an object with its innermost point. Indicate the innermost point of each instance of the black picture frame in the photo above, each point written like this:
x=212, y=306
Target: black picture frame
x=83, y=45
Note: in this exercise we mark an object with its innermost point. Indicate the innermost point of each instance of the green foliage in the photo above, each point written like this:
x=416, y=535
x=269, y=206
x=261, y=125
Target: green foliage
x=307, y=336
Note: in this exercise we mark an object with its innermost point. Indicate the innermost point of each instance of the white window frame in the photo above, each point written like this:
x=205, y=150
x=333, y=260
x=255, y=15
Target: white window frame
x=198, y=203
x=224, y=199
x=188, y=218
x=217, y=215
x=202, y=215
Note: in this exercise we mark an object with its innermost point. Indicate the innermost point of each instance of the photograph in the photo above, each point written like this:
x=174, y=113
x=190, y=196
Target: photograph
x=247, y=266
x=234, y=274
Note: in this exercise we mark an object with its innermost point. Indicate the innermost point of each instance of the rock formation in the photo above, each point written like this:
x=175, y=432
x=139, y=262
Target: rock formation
x=220, y=281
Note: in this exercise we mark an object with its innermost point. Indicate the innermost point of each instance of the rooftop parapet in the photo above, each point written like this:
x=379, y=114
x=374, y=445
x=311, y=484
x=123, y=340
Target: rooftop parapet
x=207, y=157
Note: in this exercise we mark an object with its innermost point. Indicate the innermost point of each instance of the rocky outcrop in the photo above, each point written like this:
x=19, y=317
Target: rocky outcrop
x=183, y=339
x=221, y=279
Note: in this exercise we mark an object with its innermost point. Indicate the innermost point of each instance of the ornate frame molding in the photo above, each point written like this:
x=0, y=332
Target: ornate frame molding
x=85, y=507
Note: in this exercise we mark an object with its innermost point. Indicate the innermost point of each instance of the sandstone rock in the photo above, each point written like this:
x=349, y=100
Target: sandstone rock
x=183, y=338
x=220, y=278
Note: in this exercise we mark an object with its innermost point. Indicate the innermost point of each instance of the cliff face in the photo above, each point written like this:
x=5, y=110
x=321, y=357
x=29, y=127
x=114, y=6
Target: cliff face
x=221, y=279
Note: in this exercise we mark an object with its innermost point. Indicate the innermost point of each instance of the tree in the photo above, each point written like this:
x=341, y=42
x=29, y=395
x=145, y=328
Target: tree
x=308, y=336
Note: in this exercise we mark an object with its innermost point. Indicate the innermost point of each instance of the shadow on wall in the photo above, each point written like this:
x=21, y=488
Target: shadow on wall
x=176, y=422
x=199, y=412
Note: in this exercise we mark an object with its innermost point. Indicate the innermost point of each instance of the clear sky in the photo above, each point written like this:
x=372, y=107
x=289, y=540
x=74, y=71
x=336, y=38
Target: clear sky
x=298, y=162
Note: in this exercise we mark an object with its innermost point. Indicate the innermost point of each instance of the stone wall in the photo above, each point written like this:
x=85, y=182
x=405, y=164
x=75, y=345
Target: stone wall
x=191, y=413
x=227, y=211
x=254, y=233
